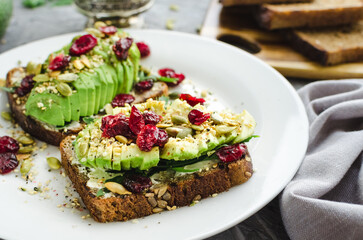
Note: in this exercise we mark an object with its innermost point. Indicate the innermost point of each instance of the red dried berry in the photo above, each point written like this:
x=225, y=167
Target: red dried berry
x=170, y=73
x=192, y=101
x=136, y=122
x=143, y=48
x=162, y=138
x=231, y=153
x=136, y=183
x=144, y=85
x=151, y=118
x=83, y=45
x=113, y=125
x=197, y=117
x=147, y=138
x=8, y=144
x=121, y=48
x=59, y=62
x=8, y=162
x=108, y=30
x=26, y=86
x=121, y=99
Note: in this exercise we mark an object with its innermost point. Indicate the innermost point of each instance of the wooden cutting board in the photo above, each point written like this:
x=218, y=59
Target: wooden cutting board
x=235, y=25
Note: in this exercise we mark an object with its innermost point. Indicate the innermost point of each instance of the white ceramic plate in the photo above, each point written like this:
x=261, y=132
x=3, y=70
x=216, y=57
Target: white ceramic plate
x=238, y=79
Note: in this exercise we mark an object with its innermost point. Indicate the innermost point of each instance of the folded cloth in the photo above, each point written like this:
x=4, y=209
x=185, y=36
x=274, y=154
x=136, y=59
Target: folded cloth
x=325, y=198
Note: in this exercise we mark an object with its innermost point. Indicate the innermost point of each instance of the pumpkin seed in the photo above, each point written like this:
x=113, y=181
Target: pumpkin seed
x=54, y=163
x=23, y=156
x=216, y=118
x=54, y=74
x=185, y=132
x=26, y=149
x=68, y=77
x=197, y=128
x=64, y=89
x=41, y=78
x=116, y=188
x=99, y=24
x=78, y=64
x=174, y=95
x=173, y=131
x=25, y=140
x=121, y=139
x=223, y=129
x=178, y=119
x=108, y=108
x=25, y=167
x=33, y=68
x=164, y=125
x=95, y=32
x=7, y=116
x=83, y=148
x=85, y=61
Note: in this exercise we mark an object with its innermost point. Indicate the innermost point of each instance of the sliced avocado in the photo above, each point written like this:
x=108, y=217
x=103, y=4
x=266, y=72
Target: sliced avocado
x=246, y=129
x=98, y=91
x=104, y=87
x=116, y=158
x=120, y=76
x=75, y=106
x=131, y=156
x=46, y=107
x=91, y=92
x=111, y=73
x=128, y=76
x=107, y=155
x=108, y=91
x=99, y=156
x=150, y=159
x=92, y=153
x=82, y=91
x=134, y=55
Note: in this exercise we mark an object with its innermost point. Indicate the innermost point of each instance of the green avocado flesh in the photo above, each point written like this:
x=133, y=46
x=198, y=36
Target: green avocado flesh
x=95, y=86
x=95, y=151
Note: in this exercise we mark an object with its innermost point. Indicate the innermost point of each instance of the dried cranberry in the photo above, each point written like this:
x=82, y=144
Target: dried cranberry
x=8, y=162
x=108, y=30
x=144, y=85
x=147, y=138
x=170, y=73
x=162, y=138
x=121, y=48
x=231, y=153
x=121, y=99
x=136, y=183
x=8, y=144
x=113, y=125
x=26, y=86
x=83, y=45
x=136, y=122
x=59, y=62
x=143, y=48
x=197, y=117
x=192, y=101
x=151, y=118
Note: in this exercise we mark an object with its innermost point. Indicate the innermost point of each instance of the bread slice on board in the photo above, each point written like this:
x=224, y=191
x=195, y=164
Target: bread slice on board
x=228, y=3
x=319, y=13
x=48, y=133
x=180, y=192
x=330, y=46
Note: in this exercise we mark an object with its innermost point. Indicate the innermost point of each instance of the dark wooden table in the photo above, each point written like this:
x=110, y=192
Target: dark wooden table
x=28, y=25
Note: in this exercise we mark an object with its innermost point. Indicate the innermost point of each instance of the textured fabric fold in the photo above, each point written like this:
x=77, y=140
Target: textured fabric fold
x=325, y=198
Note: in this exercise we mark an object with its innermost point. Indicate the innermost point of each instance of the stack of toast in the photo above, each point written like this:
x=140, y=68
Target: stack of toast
x=326, y=31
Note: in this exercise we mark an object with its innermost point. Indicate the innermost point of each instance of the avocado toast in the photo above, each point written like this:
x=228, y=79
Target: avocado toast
x=128, y=165
x=50, y=100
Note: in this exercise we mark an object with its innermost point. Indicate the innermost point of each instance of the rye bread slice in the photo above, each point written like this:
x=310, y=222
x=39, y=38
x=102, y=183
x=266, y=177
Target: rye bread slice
x=228, y=3
x=182, y=192
x=319, y=13
x=50, y=134
x=331, y=45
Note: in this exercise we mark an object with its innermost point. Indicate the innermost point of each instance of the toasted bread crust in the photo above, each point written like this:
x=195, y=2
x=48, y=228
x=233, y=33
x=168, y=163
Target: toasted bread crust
x=54, y=136
x=277, y=17
x=126, y=207
x=228, y=3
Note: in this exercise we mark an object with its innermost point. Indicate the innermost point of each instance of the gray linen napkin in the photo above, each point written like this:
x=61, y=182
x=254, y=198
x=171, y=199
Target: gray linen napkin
x=325, y=198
